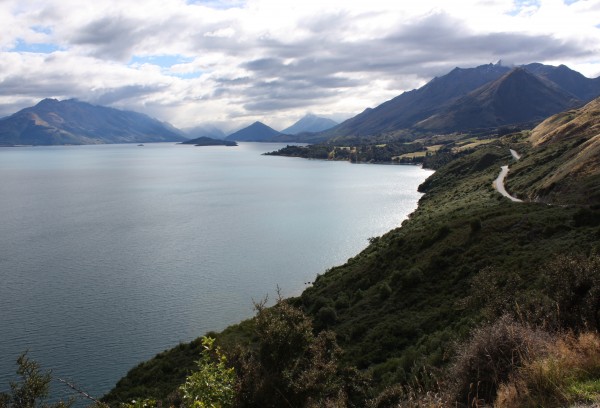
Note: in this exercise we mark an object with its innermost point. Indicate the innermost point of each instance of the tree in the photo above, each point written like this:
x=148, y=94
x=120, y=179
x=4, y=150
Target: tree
x=32, y=390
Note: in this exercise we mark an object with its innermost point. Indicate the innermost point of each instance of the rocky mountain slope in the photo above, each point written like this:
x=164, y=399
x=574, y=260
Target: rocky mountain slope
x=454, y=102
x=515, y=98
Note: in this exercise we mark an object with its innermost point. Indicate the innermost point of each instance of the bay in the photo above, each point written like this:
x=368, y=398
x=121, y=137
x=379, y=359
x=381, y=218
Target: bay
x=110, y=254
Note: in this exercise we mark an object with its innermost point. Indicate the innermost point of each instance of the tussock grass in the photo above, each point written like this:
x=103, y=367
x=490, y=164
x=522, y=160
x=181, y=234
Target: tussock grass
x=568, y=373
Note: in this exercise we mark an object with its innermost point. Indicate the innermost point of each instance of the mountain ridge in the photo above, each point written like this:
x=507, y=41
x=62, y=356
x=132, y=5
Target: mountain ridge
x=516, y=97
x=54, y=122
x=404, y=114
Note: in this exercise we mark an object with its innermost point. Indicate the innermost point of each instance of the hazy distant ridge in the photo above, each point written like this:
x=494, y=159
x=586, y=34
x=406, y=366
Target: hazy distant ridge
x=309, y=123
x=53, y=122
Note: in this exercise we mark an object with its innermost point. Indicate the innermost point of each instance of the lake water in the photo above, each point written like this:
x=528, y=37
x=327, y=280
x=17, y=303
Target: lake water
x=110, y=254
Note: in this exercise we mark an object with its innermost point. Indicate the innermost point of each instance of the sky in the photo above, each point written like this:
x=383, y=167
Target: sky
x=232, y=62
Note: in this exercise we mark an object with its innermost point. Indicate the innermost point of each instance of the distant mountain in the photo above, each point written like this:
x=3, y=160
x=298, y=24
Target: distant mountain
x=206, y=131
x=309, y=123
x=53, y=122
x=208, y=141
x=422, y=109
x=571, y=81
x=517, y=97
x=256, y=132
x=405, y=110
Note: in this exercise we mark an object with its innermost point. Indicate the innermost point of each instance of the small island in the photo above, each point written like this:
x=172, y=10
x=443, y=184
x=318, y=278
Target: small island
x=208, y=141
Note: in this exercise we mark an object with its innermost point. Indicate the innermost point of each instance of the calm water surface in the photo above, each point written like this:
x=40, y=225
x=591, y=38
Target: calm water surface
x=110, y=254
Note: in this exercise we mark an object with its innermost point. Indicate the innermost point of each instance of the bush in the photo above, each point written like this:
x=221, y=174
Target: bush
x=291, y=366
x=489, y=358
x=213, y=384
x=326, y=316
x=573, y=282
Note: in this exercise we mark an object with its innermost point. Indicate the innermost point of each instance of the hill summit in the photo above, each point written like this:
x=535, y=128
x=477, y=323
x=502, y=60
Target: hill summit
x=256, y=132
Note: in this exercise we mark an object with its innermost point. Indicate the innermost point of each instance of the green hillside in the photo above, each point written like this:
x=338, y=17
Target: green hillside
x=466, y=257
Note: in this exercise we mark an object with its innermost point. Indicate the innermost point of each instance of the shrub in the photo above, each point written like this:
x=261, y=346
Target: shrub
x=326, y=316
x=291, y=366
x=213, y=384
x=384, y=291
x=489, y=358
x=573, y=282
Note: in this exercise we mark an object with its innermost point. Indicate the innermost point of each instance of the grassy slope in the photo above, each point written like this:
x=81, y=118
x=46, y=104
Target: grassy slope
x=400, y=303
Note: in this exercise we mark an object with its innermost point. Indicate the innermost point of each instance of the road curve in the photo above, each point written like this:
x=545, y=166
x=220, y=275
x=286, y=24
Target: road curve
x=499, y=184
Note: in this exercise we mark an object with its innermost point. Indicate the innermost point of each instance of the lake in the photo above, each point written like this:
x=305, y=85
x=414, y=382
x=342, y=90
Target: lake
x=110, y=254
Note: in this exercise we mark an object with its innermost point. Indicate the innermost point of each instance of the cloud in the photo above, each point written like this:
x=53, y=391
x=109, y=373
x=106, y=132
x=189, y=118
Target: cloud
x=190, y=62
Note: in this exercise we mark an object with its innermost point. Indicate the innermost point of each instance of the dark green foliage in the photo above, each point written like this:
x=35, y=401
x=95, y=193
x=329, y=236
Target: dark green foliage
x=326, y=316
x=573, y=284
x=291, y=366
x=33, y=389
x=159, y=377
x=355, y=151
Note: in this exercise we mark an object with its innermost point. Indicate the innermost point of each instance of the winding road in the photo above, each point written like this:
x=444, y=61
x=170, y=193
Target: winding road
x=499, y=182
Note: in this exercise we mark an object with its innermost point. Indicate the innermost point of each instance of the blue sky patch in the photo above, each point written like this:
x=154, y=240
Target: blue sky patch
x=521, y=4
x=41, y=48
x=163, y=61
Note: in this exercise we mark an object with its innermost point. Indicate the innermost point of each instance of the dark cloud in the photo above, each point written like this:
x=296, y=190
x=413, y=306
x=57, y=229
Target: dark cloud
x=110, y=37
x=293, y=75
x=115, y=95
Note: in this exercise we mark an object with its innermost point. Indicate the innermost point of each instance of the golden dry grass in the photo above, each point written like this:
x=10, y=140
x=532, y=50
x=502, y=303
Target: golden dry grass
x=569, y=373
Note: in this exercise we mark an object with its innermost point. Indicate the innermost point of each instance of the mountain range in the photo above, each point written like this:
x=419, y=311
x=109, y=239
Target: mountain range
x=464, y=100
x=53, y=122
x=469, y=98
x=517, y=97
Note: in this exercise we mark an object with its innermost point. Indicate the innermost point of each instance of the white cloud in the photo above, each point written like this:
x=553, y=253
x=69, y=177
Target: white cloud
x=270, y=60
